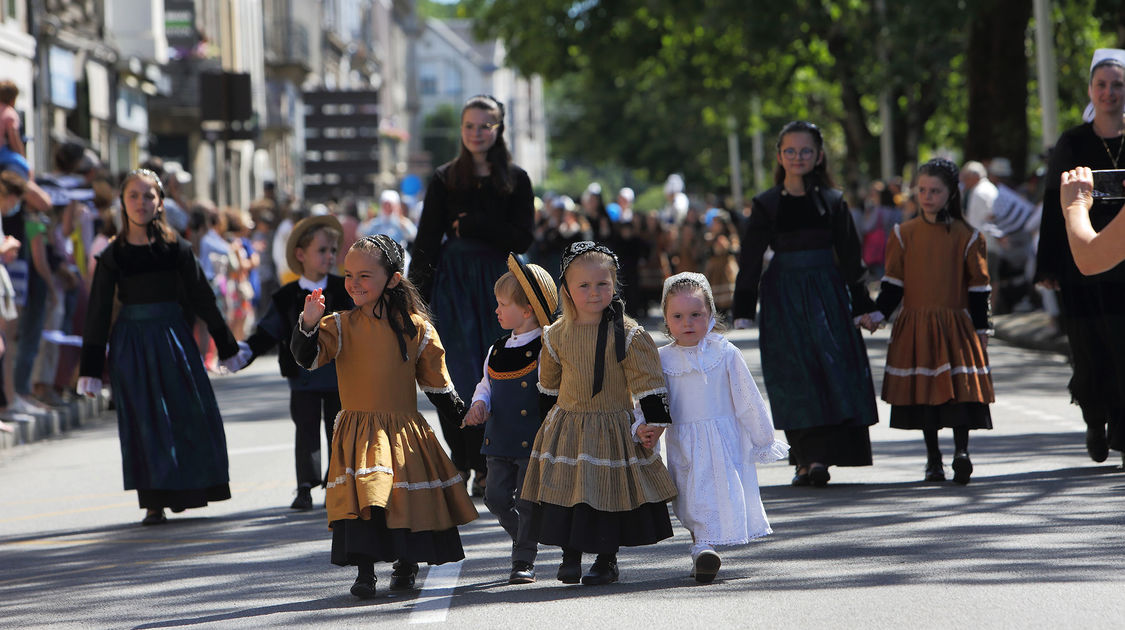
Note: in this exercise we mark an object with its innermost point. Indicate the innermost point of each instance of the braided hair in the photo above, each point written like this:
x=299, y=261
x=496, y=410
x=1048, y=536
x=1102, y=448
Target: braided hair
x=399, y=302
x=950, y=176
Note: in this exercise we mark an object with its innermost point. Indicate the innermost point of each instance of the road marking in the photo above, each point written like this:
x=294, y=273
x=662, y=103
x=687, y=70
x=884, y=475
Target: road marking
x=437, y=593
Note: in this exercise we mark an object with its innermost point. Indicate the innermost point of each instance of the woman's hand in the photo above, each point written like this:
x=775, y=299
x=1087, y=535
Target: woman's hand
x=1077, y=192
x=457, y=225
x=314, y=309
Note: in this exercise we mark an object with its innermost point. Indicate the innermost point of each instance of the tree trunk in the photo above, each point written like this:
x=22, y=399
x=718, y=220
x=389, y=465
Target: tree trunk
x=996, y=62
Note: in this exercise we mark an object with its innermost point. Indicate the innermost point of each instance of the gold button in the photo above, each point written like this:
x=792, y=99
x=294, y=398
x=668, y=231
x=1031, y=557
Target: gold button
x=487, y=441
x=523, y=384
x=527, y=354
x=523, y=443
x=523, y=412
x=494, y=353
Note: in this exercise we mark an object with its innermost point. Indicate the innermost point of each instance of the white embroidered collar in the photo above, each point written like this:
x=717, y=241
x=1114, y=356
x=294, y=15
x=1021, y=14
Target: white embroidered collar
x=309, y=285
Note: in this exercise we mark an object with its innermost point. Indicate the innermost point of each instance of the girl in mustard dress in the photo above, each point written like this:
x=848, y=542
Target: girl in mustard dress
x=937, y=373
x=393, y=494
x=593, y=487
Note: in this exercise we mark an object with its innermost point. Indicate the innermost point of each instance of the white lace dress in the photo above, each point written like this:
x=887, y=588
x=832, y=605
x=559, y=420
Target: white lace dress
x=720, y=430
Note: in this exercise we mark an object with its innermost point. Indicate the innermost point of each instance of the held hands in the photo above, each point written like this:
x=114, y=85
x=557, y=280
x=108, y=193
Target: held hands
x=648, y=435
x=89, y=386
x=870, y=321
x=240, y=360
x=314, y=310
x=478, y=414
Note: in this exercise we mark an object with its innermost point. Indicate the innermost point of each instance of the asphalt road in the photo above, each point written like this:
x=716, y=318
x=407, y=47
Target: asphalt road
x=1035, y=541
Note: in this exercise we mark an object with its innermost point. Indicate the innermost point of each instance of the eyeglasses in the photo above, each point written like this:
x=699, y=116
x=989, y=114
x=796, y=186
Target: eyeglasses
x=792, y=153
x=470, y=128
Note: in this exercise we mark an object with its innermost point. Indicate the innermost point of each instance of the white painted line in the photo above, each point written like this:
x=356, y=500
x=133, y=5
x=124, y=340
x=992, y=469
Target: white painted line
x=437, y=593
x=260, y=449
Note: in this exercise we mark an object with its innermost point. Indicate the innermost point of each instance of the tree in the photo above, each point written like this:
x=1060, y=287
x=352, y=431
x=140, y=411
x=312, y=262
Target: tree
x=441, y=133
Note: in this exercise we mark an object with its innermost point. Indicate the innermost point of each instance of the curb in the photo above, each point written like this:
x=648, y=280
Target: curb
x=56, y=421
x=1033, y=330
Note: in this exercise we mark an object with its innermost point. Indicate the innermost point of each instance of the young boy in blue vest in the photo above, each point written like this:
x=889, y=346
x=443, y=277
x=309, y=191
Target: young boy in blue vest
x=314, y=397
x=507, y=402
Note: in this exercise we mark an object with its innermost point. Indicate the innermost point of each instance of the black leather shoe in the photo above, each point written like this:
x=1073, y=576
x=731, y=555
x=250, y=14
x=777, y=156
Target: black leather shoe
x=364, y=587
x=1096, y=444
x=402, y=579
x=801, y=478
x=154, y=518
x=601, y=572
x=935, y=470
x=818, y=476
x=303, y=501
x=522, y=573
x=962, y=468
x=706, y=567
x=570, y=571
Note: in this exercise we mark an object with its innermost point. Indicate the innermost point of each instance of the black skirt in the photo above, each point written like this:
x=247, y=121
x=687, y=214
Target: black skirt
x=973, y=415
x=357, y=541
x=585, y=529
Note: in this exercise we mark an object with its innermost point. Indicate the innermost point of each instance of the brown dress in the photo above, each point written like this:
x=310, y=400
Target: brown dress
x=388, y=473
x=935, y=357
x=596, y=489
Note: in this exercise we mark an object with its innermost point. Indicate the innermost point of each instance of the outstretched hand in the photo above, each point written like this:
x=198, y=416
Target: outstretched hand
x=314, y=309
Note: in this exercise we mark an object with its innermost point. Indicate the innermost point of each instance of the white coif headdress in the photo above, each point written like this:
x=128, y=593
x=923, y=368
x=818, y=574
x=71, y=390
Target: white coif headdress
x=688, y=277
x=1101, y=55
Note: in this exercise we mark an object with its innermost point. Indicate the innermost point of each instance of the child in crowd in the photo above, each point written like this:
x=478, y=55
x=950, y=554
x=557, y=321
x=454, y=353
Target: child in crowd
x=937, y=373
x=173, y=447
x=508, y=400
x=594, y=488
x=721, y=429
x=314, y=397
x=393, y=494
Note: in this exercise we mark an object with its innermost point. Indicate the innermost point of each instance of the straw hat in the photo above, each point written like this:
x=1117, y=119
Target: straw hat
x=538, y=286
x=303, y=227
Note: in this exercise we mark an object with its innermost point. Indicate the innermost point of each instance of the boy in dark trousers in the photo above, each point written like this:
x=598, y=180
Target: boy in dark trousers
x=313, y=396
x=507, y=398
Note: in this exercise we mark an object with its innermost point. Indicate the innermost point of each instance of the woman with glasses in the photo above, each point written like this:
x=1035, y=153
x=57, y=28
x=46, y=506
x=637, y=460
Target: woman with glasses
x=477, y=208
x=813, y=357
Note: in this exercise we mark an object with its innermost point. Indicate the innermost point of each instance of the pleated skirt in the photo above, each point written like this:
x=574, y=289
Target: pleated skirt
x=392, y=491
x=592, y=487
x=173, y=447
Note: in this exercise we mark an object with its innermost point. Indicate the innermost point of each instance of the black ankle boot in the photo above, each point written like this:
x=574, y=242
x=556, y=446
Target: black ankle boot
x=402, y=579
x=570, y=570
x=364, y=587
x=935, y=470
x=962, y=467
x=603, y=571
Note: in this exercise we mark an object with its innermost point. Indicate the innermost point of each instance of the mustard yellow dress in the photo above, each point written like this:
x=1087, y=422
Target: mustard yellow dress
x=595, y=489
x=393, y=493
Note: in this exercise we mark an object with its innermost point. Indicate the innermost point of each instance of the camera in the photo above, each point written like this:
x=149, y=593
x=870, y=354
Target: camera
x=1108, y=184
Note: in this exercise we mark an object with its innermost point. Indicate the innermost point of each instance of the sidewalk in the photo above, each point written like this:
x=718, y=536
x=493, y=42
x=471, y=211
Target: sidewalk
x=1030, y=330
x=78, y=412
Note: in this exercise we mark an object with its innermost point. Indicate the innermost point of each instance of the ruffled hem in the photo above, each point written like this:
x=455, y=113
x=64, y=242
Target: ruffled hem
x=357, y=541
x=770, y=453
x=588, y=530
x=394, y=462
x=728, y=542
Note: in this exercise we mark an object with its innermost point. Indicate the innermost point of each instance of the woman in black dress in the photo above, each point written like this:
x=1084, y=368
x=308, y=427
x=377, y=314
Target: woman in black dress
x=173, y=448
x=482, y=205
x=1092, y=308
x=813, y=359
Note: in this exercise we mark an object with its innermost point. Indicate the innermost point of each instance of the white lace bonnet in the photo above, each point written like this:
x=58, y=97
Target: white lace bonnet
x=688, y=277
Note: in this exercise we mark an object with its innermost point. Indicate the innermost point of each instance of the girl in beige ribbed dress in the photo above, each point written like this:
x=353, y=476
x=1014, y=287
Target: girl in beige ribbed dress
x=593, y=487
x=937, y=373
x=393, y=494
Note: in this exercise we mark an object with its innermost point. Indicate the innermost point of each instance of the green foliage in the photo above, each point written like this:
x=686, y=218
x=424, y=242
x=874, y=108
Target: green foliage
x=649, y=85
x=441, y=133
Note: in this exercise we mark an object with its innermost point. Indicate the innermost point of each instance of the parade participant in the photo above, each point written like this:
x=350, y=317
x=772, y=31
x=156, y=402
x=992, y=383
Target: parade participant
x=593, y=487
x=507, y=399
x=173, y=447
x=477, y=208
x=13, y=154
x=813, y=358
x=393, y=495
x=937, y=373
x=721, y=428
x=314, y=397
x=1092, y=309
